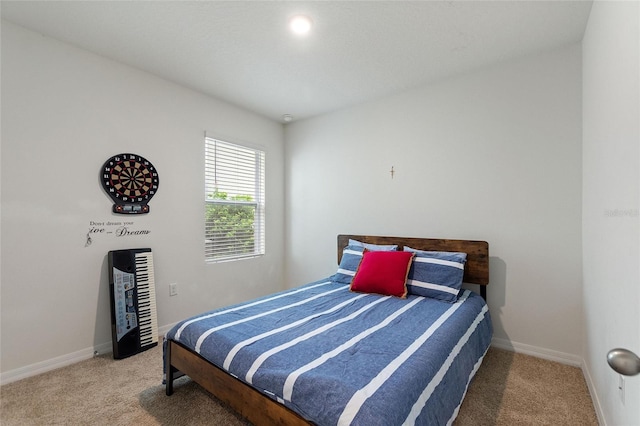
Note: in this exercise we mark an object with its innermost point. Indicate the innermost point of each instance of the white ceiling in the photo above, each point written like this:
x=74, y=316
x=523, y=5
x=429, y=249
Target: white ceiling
x=243, y=53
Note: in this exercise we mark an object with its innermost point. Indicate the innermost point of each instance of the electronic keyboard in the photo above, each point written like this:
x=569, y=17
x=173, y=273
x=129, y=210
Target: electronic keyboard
x=134, y=322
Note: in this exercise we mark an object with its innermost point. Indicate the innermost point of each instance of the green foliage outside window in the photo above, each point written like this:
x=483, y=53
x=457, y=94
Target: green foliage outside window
x=229, y=224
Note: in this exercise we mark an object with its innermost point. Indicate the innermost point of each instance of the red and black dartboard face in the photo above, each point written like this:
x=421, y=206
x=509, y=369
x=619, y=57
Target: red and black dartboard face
x=131, y=181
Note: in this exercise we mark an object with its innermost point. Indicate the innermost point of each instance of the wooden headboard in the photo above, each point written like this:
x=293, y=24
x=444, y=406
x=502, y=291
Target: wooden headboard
x=476, y=269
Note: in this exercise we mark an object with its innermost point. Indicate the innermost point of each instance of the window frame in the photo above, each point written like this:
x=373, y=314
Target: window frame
x=258, y=195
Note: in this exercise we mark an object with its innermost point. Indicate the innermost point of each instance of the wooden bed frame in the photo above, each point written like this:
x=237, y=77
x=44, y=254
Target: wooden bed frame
x=258, y=408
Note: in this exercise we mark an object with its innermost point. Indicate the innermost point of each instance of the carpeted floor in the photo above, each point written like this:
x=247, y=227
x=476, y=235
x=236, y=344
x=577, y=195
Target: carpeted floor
x=509, y=389
x=515, y=389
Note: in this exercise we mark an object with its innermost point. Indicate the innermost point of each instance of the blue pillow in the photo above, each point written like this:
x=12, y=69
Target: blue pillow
x=351, y=257
x=436, y=274
x=373, y=247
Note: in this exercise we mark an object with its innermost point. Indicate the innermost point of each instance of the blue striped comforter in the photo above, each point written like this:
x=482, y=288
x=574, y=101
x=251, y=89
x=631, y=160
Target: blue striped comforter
x=339, y=358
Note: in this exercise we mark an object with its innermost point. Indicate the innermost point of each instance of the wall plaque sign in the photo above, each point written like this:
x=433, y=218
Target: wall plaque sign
x=108, y=228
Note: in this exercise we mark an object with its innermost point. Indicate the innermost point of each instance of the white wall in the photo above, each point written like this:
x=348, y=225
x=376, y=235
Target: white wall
x=611, y=187
x=64, y=112
x=494, y=155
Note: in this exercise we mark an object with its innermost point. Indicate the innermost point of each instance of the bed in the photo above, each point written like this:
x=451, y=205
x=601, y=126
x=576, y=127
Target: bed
x=324, y=354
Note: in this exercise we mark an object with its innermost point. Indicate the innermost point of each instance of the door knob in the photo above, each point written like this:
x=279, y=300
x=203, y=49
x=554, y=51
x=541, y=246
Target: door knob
x=624, y=361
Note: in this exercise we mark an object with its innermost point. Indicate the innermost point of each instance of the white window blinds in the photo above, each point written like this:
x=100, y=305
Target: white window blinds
x=234, y=201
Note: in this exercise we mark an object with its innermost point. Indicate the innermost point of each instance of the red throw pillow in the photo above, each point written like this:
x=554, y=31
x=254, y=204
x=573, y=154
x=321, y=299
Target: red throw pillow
x=383, y=272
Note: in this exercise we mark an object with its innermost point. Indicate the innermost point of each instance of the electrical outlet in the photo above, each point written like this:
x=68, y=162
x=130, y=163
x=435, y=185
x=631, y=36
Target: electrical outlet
x=173, y=289
x=621, y=388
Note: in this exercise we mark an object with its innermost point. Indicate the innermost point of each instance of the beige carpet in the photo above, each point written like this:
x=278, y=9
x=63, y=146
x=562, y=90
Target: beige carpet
x=515, y=389
x=509, y=389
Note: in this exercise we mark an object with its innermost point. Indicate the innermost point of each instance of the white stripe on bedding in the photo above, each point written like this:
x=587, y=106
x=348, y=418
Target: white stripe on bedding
x=262, y=358
x=291, y=379
x=360, y=397
x=439, y=262
x=237, y=308
x=437, y=378
x=210, y=331
x=346, y=272
x=236, y=348
x=432, y=286
x=471, y=376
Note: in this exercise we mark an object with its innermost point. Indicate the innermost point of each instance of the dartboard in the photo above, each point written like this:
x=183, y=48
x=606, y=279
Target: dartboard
x=131, y=181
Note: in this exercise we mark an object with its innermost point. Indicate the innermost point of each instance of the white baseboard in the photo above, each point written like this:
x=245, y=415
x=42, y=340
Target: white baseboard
x=551, y=355
x=64, y=360
x=52, y=364
x=594, y=394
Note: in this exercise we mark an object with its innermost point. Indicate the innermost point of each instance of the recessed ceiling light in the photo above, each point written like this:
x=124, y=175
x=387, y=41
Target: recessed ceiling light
x=300, y=24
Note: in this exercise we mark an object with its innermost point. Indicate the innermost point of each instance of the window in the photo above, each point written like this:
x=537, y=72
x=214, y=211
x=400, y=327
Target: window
x=234, y=201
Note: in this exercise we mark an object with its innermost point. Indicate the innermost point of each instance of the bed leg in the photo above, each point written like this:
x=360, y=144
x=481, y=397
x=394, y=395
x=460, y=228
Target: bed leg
x=483, y=292
x=169, y=385
x=168, y=368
